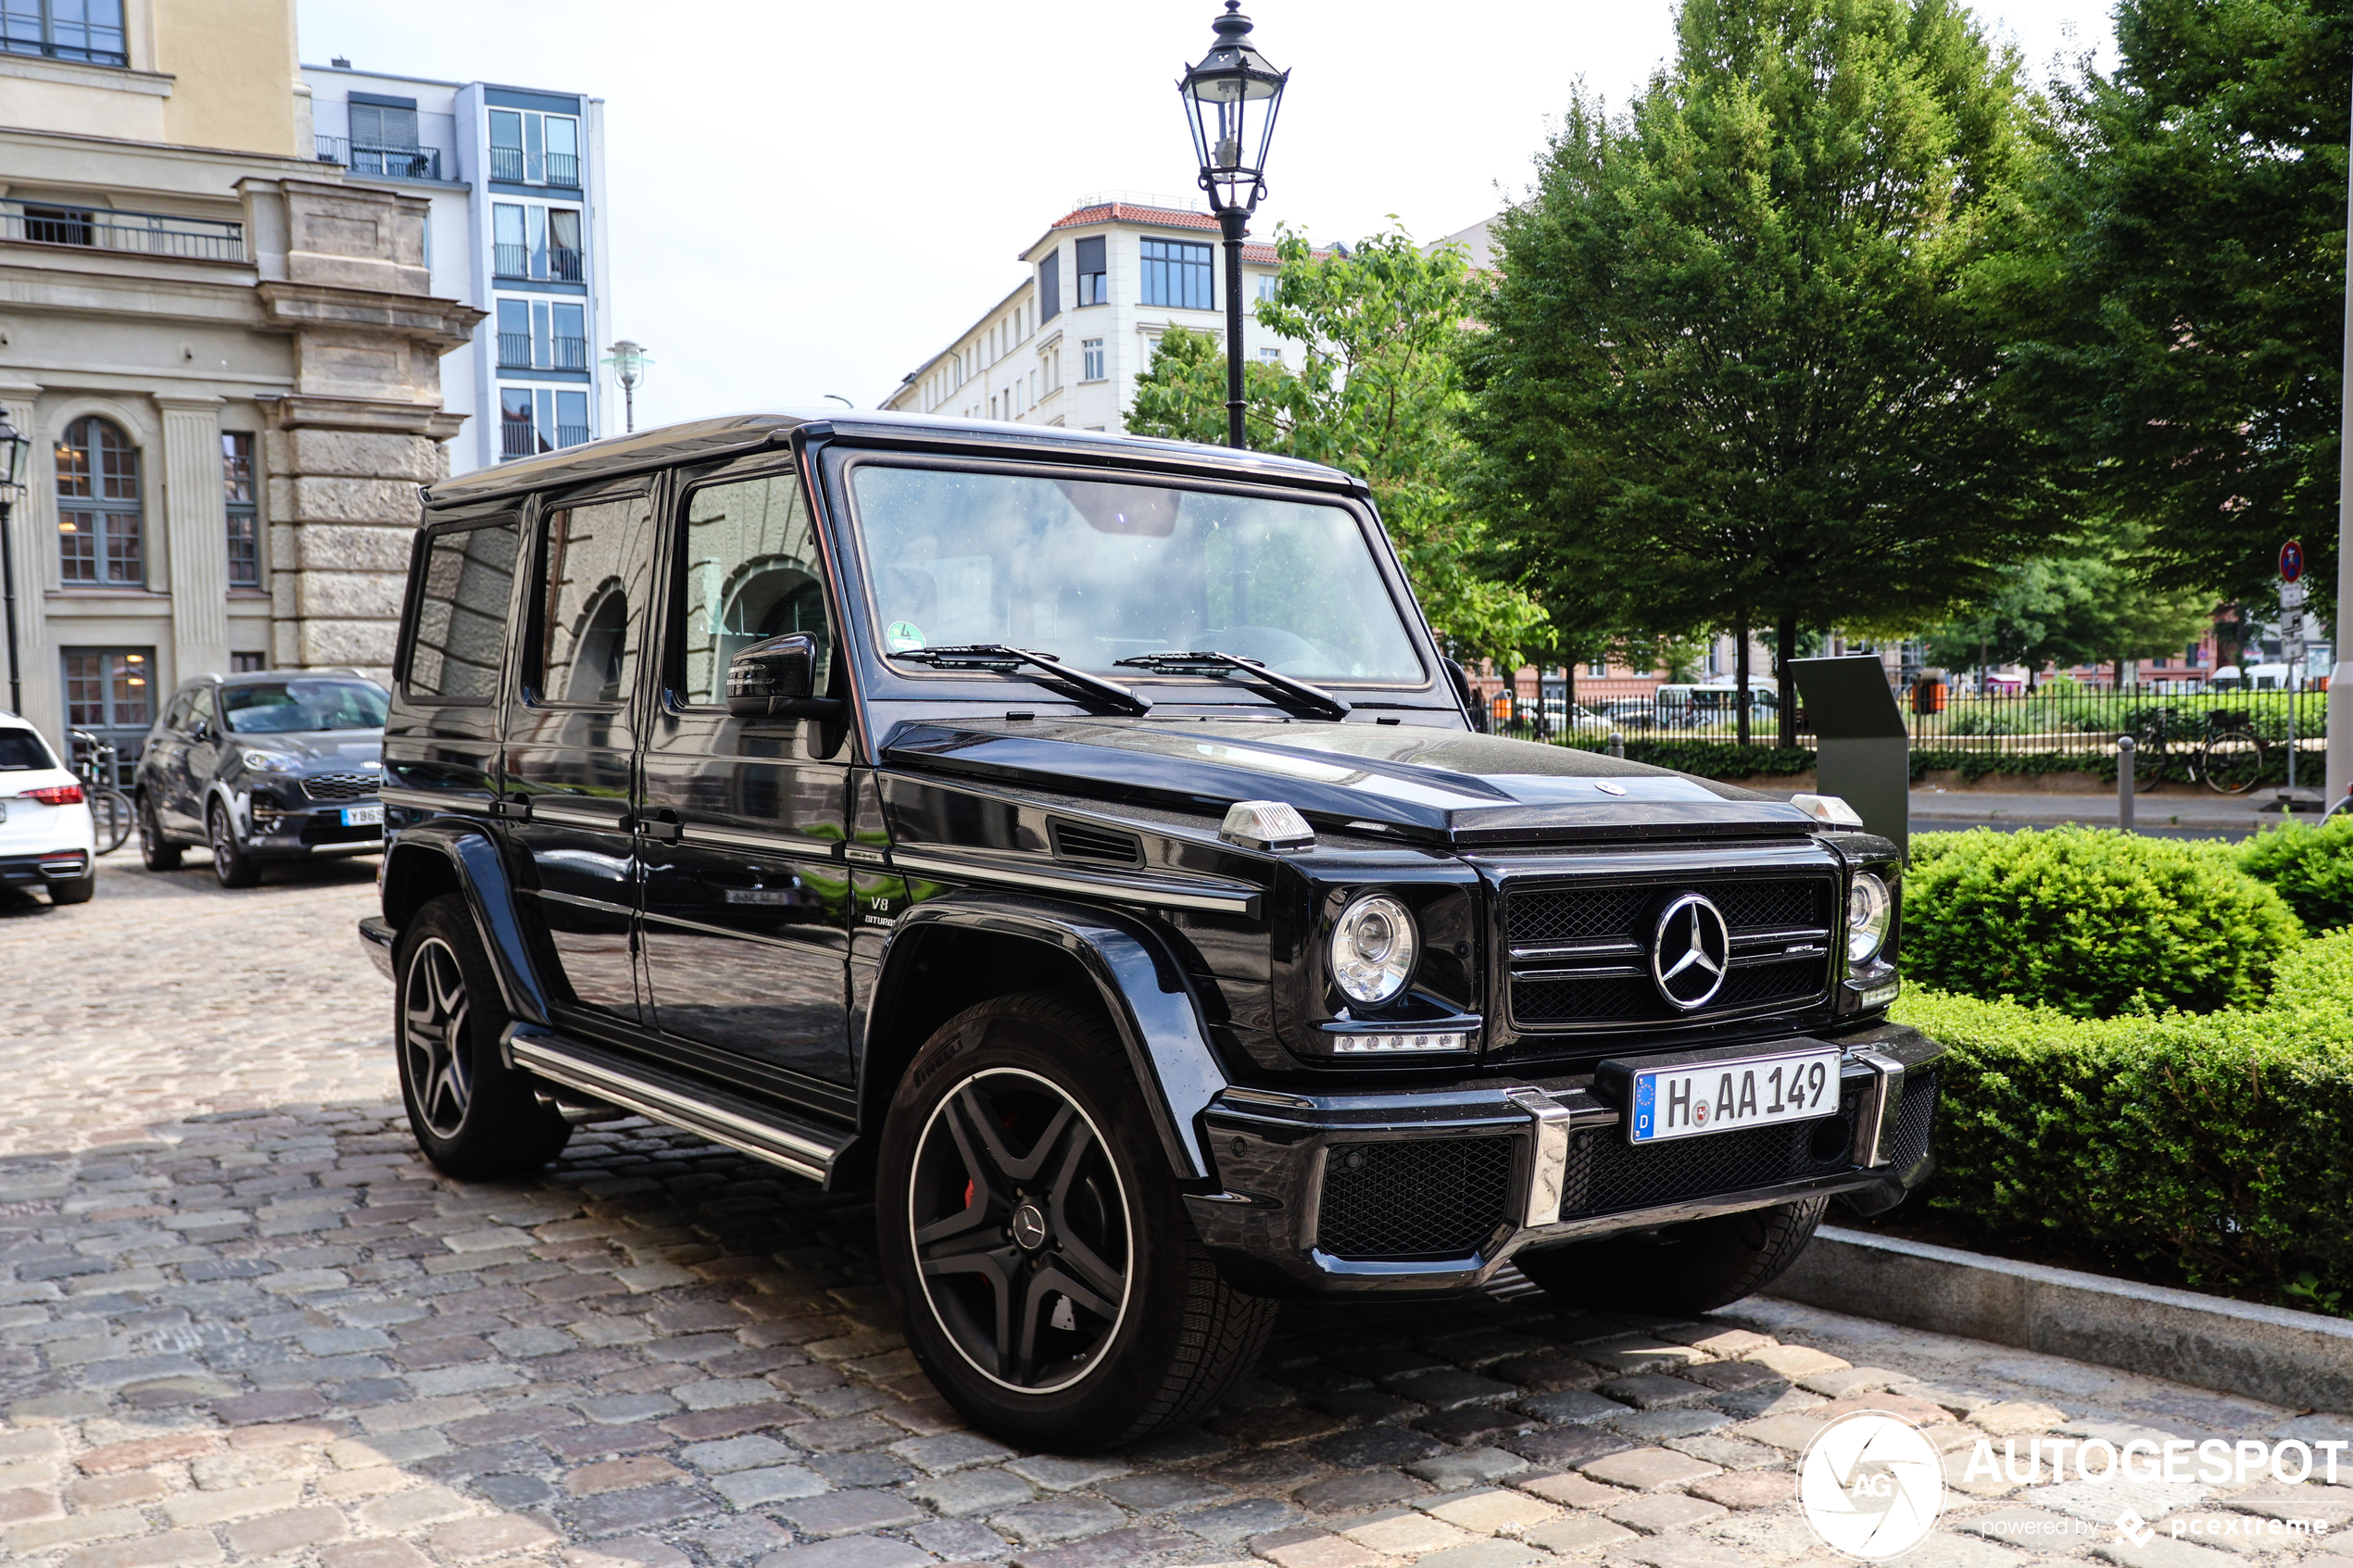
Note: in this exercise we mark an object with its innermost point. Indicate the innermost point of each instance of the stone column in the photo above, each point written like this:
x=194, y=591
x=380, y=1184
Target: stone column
x=347, y=450
x=43, y=704
x=196, y=535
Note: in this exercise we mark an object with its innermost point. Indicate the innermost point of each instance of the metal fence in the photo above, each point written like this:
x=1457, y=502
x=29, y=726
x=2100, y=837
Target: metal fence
x=140, y=233
x=2061, y=716
x=367, y=157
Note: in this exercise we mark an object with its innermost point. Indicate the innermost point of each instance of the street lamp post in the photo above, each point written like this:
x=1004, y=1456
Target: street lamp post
x=628, y=361
x=1231, y=99
x=15, y=451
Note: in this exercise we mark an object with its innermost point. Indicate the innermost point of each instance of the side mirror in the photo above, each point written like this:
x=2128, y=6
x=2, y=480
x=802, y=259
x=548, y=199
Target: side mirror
x=1459, y=679
x=774, y=680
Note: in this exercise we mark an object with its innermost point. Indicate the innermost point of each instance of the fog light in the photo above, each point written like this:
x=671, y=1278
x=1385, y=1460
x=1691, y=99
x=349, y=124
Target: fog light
x=1400, y=1045
x=1880, y=996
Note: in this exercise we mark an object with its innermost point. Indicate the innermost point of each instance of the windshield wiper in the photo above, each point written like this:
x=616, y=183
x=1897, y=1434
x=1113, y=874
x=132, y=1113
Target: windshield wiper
x=997, y=656
x=1315, y=699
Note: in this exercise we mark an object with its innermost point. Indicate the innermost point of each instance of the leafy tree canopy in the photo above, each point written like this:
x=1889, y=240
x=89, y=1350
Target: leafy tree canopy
x=2092, y=607
x=2180, y=289
x=1737, y=368
x=1375, y=392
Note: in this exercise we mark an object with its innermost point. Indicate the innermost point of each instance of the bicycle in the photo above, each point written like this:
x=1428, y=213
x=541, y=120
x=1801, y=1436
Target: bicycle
x=2229, y=758
x=111, y=811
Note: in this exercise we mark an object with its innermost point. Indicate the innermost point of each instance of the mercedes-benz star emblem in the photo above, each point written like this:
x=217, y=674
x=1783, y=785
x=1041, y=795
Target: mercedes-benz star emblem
x=1691, y=952
x=1029, y=1227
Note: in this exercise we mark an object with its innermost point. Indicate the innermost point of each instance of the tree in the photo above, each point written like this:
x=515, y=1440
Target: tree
x=1738, y=369
x=2180, y=295
x=1375, y=393
x=2070, y=609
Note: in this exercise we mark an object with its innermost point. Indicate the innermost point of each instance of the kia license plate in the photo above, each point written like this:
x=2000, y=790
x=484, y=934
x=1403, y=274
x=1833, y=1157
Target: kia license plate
x=363, y=816
x=1723, y=1097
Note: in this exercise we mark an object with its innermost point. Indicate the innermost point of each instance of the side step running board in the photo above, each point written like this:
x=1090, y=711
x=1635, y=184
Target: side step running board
x=681, y=1101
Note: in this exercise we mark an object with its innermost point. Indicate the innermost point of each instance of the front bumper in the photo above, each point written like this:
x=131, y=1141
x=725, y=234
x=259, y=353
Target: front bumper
x=1433, y=1190
x=307, y=831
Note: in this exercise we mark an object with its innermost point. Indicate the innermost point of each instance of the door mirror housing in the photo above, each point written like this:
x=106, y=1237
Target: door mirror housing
x=774, y=680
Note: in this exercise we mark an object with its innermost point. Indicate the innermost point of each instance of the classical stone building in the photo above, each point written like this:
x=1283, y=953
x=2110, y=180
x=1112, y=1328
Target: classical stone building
x=228, y=357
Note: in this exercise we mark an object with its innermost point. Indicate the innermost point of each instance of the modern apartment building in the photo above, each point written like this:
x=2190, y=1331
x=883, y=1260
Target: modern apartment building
x=226, y=353
x=1065, y=345
x=514, y=181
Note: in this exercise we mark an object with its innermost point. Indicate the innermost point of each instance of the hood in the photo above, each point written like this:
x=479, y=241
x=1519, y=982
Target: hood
x=1441, y=784
x=319, y=749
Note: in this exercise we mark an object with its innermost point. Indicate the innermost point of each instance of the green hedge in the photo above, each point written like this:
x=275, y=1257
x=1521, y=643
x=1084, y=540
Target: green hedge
x=2091, y=920
x=2312, y=867
x=1729, y=759
x=2214, y=1149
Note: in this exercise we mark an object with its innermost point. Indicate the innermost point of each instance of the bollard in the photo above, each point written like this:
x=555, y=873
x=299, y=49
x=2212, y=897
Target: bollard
x=1616, y=744
x=2124, y=749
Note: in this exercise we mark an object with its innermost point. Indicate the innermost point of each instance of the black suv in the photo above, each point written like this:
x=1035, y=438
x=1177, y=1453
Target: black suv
x=270, y=765
x=1080, y=842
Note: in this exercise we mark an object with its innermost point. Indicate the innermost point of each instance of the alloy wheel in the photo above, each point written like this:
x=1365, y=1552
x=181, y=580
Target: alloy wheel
x=1021, y=1230
x=223, y=840
x=432, y=1036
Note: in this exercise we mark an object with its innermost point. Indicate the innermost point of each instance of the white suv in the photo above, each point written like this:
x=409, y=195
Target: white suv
x=45, y=833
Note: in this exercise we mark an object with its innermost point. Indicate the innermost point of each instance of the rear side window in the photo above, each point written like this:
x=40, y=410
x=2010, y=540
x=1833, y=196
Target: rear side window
x=461, y=614
x=21, y=750
x=598, y=559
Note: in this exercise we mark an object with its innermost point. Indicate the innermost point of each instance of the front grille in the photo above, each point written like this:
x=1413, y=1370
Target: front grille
x=339, y=786
x=1425, y=1197
x=1616, y=1177
x=1766, y=915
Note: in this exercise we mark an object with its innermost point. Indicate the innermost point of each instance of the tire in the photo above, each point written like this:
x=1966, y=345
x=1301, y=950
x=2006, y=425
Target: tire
x=1060, y=1300
x=2232, y=763
x=80, y=890
x=1695, y=1267
x=231, y=865
x=156, y=852
x=473, y=1116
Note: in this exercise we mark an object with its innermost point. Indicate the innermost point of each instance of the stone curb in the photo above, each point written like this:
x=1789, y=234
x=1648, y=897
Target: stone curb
x=2298, y=1360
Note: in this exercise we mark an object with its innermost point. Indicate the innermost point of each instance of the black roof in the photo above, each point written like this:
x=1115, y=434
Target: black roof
x=700, y=439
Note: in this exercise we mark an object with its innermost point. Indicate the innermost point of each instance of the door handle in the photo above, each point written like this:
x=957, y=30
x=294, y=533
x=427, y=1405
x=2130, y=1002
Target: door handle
x=660, y=825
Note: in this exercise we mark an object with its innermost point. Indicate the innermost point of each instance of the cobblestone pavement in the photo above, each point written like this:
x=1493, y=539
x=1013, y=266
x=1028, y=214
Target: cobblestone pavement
x=240, y=1321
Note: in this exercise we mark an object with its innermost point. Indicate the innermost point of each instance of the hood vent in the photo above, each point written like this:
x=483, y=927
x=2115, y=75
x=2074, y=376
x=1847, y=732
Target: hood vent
x=1094, y=845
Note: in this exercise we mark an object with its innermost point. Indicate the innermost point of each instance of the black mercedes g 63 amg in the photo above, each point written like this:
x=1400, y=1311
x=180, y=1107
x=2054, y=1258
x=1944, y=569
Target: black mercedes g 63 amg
x=1080, y=842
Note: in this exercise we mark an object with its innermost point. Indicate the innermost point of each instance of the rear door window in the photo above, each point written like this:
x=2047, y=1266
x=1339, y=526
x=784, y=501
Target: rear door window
x=460, y=620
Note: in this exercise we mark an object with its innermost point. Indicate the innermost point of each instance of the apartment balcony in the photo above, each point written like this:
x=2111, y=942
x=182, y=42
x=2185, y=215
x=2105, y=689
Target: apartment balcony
x=391, y=163
x=562, y=170
x=571, y=354
x=572, y=436
x=135, y=233
x=514, y=351
x=505, y=163
x=565, y=264
x=517, y=439
x=515, y=261
x=511, y=261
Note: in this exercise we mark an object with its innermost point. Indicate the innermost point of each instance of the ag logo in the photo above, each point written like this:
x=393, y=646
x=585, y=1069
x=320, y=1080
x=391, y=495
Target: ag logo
x=1871, y=1485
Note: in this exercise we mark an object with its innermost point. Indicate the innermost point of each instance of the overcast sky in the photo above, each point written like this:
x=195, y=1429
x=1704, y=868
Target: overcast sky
x=813, y=199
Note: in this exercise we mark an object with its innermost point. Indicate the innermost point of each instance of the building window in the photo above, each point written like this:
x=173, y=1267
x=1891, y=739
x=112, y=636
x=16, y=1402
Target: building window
x=1050, y=287
x=563, y=243
x=1266, y=281
x=247, y=663
x=98, y=523
x=1176, y=274
x=244, y=517
x=569, y=336
x=535, y=149
x=1597, y=670
x=564, y=152
x=1091, y=359
x=516, y=436
x=109, y=691
x=509, y=258
x=1270, y=356
x=1093, y=272
x=514, y=335
x=383, y=135
x=506, y=145
x=90, y=30
x=572, y=419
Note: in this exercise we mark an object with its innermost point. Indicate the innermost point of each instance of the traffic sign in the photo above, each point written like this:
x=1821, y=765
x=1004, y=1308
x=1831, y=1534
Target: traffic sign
x=2291, y=594
x=2291, y=560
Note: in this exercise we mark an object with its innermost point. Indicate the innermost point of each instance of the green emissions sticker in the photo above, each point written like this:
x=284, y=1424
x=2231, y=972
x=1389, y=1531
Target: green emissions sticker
x=904, y=636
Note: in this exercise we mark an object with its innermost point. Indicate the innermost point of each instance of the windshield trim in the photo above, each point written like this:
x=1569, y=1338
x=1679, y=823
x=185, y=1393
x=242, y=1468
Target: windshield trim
x=1214, y=692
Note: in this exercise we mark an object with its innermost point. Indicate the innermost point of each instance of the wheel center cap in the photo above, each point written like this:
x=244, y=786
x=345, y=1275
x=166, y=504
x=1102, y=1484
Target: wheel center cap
x=1029, y=1227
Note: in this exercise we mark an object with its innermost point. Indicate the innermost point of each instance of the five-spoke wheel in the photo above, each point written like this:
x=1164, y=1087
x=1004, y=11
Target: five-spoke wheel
x=432, y=1036
x=1021, y=1230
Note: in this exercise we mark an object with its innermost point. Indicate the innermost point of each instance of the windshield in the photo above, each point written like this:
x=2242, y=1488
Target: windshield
x=1095, y=572
x=279, y=707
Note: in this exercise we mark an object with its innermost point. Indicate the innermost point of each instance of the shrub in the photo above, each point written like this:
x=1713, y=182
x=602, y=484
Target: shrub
x=2312, y=867
x=2213, y=1146
x=2091, y=922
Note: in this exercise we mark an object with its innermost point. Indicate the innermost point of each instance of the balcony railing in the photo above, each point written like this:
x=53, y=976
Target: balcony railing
x=516, y=439
x=563, y=168
x=572, y=436
x=514, y=351
x=514, y=261
x=571, y=353
x=564, y=264
x=368, y=158
x=138, y=233
x=511, y=261
x=505, y=163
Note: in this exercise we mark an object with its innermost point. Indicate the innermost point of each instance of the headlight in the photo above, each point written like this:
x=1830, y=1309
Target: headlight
x=1373, y=948
x=1869, y=909
x=268, y=761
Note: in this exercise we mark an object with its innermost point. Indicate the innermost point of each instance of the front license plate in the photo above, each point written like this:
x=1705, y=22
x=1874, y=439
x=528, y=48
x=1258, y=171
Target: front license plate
x=1722, y=1096
x=363, y=816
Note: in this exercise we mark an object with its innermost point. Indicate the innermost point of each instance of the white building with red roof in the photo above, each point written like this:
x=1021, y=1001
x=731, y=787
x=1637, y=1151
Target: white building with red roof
x=1065, y=345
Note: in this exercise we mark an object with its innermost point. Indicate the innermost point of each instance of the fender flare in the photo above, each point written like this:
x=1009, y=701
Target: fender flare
x=1141, y=985
x=481, y=874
